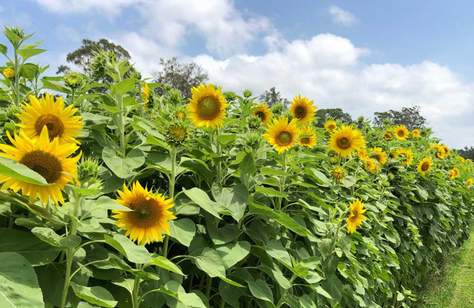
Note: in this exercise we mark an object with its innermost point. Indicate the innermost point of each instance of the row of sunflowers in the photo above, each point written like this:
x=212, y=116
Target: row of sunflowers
x=120, y=192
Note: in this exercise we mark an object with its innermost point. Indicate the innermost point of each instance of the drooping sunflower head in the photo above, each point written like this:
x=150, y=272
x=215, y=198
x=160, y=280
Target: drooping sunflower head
x=380, y=155
x=51, y=159
x=207, y=106
x=388, y=135
x=424, y=166
x=416, y=133
x=372, y=165
x=405, y=155
x=356, y=216
x=330, y=125
x=61, y=122
x=149, y=215
x=282, y=134
x=338, y=173
x=345, y=140
x=453, y=173
x=401, y=132
x=307, y=137
x=8, y=72
x=303, y=109
x=362, y=153
x=262, y=112
x=442, y=151
x=469, y=182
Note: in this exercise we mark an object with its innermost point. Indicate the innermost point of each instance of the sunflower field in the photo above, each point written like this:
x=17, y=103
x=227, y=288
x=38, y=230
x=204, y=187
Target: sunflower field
x=122, y=193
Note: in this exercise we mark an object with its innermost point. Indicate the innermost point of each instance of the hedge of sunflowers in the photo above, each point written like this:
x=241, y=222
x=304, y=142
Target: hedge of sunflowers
x=119, y=192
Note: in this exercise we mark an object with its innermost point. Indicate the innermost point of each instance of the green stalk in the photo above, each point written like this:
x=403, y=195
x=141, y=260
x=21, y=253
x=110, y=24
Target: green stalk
x=172, y=181
x=17, y=77
x=219, y=162
x=282, y=182
x=136, y=291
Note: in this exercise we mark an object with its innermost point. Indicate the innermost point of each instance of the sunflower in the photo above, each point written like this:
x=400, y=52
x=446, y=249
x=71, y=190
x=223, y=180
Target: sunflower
x=302, y=109
x=281, y=134
x=338, y=173
x=149, y=215
x=50, y=112
x=8, y=72
x=380, y=155
x=356, y=216
x=388, y=135
x=362, y=153
x=262, y=112
x=207, y=106
x=416, y=133
x=330, y=125
x=425, y=165
x=401, y=132
x=442, y=151
x=372, y=165
x=469, y=182
x=307, y=137
x=453, y=173
x=404, y=155
x=346, y=140
x=145, y=93
x=51, y=159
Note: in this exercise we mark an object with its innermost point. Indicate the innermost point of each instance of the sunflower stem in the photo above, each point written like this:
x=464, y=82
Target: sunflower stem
x=172, y=181
x=282, y=182
x=17, y=75
x=219, y=158
x=136, y=290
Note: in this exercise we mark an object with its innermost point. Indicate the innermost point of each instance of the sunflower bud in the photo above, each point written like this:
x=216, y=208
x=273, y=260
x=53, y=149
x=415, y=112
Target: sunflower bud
x=177, y=133
x=8, y=72
x=88, y=171
x=73, y=80
x=247, y=93
x=254, y=122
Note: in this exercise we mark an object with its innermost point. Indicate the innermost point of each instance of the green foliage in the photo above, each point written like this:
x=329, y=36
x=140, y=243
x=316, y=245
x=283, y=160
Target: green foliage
x=408, y=116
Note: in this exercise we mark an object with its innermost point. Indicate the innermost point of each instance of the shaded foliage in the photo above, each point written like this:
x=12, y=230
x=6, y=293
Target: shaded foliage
x=467, y=152
x=408, y=116
x=332, y=113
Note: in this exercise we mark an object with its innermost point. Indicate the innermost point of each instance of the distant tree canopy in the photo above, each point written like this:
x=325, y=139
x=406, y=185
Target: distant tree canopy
x=181, y=76
x=408, y=116
x=332, y=113
x=84, y=55
x=272, y=97
x=467, y=152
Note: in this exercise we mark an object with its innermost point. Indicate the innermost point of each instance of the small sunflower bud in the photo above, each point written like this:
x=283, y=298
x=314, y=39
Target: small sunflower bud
x=73, y=80
x=8, y=72
x=177, y=134
x=88, y=170
x=247, y=93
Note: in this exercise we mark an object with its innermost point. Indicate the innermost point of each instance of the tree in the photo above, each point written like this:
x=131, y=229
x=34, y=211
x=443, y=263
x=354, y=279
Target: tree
x=272, y=97
x=181, y=76
x=83, y=56
x=467, y=152
x=408, y=116
x=332, y=113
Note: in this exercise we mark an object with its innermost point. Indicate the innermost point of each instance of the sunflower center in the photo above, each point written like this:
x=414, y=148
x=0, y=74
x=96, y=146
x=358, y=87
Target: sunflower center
x=208, y=108
x=425, y=166
x=343, y=143
x=284, y=138
x=300, y=112
x=331, y=126
x=260, y=114
x=401, y=133
x=145, y=212
x=43, y=163
x=54, y=125
x=377, y=157
x=305, y=140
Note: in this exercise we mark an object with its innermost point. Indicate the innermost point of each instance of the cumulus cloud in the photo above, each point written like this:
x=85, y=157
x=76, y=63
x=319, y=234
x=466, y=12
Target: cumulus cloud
x=331, y=70
x=342, y=17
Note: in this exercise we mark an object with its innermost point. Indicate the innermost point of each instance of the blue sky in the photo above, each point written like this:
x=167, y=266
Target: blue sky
x=363, y=56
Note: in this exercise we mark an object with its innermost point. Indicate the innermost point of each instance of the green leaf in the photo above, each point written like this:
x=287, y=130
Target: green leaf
x=48, y=235
x=3, y=49
x=127, y=248
x=234, y=201
x=319, y=177
x=123, y=86
x=123, y=167
x=166, y=264
x=20, y=172
x=276, y=250
x=323, y=292
x=233, y=253
x=183, y=230
x=200, y=197
x=247, y=169
x=18, y=283
x=279, y=216
x=33, y=249
x=29, y=52
x=210, y=262
x=94, y=295
x=270, y=192
x=260, y=290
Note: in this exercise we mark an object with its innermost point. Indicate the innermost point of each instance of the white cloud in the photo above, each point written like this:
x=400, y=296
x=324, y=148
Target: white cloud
x=112, y=7
x=341, y=16
x=330, y=70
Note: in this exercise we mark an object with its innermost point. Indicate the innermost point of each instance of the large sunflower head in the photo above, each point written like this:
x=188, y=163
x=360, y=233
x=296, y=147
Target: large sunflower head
x=380, y=155
x=401, y=132
x=416, y=133
x=346, y=140
x=453, y=173
x=207, y=106
x=356, y=216
x=281, y=134
x=48, y=111
x=51, y=159
x=424, y=166
x=307, y=137
x=405, y=155
x=302, y=109
x=149, y=215
x=262, y=112
x=330, y=125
